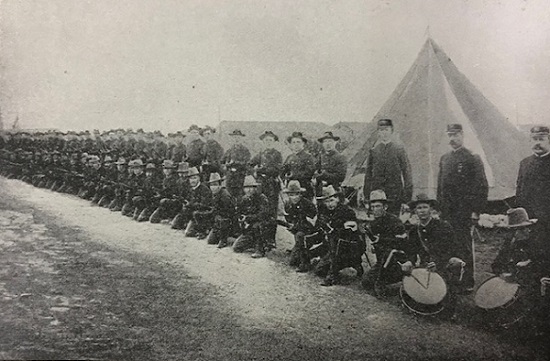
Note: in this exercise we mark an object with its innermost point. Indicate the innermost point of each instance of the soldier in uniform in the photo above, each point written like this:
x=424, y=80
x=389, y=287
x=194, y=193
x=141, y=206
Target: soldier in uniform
x=195, y=147
x=297, y=211
x=434, y=242
x=388, y=235
x=300, y=165
x=182, y=194
x=332, y=166
x=389, y=169
x=254, y=216
x=267, y=167
x=166, y=208
x=213, y=153
x=462, y=191
x=122, y=177
x=199, y=200
x=144, y=201
x=339, y=222
x=135, y=183
x=533, y=182
x=236, y=161
x=223, y=212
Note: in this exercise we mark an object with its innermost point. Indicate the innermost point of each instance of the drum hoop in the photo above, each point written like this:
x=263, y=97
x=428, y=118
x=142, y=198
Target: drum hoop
x=438, y=275
x=440, y=305
x=509, y=303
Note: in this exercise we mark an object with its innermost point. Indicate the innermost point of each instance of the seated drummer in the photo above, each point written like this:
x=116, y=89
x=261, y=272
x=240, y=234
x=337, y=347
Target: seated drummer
x=433, y=241
x=297, y=211
x=519, y=254
x=346, y=246
x=390, y=244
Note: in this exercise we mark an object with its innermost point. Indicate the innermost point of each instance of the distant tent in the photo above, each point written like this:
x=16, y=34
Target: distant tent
x=432, y=94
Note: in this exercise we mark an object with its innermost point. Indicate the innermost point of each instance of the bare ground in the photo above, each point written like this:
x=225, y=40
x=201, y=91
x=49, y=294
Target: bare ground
x=78, y=281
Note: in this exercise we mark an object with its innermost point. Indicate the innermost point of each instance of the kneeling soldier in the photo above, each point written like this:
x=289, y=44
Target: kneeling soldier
x=297, y=211
x=346, y=245
x=166, y=208
x=223, y=212
x=255, y=217
x=199, y=202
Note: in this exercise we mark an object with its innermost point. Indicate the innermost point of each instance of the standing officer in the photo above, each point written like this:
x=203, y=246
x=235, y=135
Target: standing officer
x=300, y=165
x=462, y=191
x=267, y=167
x=533, y=182
x=236, y=161
x=389, y=169
x=332, y=166
x=195, y=147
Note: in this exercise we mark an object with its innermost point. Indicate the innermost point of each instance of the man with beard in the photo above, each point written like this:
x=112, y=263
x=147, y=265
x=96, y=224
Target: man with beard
x=533, y=182
x=389, y=169
x=462, y=191
x=300, y=165
x=267, y=167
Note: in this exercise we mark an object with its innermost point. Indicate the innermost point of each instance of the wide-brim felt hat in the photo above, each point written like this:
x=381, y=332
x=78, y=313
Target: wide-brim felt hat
x=120, y=161
x=328, y=135
x=518, y=217
x=193, y=171
x=269, y=133
x=183, y=167
x=294, y=186
x=328, y=192
x=237, y=132
x=296, y=135
x=215, y=178
x=136, y=163
x=422, y=198
x=168, y=164
x=378, y=195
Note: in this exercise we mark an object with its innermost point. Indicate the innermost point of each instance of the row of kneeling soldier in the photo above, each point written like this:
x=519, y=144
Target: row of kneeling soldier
x=226, y=196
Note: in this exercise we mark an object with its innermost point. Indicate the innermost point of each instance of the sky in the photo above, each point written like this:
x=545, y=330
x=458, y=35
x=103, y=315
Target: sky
x=166, y=64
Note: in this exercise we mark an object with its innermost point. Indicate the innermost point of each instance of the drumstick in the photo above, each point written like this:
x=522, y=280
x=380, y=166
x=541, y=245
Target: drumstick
x=414, y=277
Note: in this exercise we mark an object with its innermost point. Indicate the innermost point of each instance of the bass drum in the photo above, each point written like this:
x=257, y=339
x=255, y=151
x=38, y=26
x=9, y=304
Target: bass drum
x=499, y=297
x=424, y=292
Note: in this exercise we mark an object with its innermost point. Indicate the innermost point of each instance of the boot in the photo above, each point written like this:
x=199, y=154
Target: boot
x=156, y=216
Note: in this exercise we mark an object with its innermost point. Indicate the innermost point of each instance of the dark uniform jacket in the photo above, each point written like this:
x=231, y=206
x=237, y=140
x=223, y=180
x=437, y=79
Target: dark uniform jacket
x=300, y=167
x=332, y=221
x=269, y=162
x=434, y=242
x=177, y=152
x=333, y=167
x=391, y=233
x=223, y=205
x=213, y=152
x=462, y=187
x=195, y=153
x=169, y=186
x=236, y=159
x=255, y=207
x=200, y=198
x=296, y=215
x=533, y=187
x=389, y=169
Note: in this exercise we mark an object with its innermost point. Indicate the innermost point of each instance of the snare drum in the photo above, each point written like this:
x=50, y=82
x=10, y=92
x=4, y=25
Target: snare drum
x=424, y=292
x=498, y=296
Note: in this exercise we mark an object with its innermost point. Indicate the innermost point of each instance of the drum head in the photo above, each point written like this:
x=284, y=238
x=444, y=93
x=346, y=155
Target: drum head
x=495, y=292
x=425, y=287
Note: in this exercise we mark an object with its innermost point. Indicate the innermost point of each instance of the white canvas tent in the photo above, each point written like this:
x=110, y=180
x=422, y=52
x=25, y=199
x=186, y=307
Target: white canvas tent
x=432, y=94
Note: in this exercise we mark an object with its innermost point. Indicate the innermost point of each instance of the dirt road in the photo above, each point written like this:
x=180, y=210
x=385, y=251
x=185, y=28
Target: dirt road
x=81, y=281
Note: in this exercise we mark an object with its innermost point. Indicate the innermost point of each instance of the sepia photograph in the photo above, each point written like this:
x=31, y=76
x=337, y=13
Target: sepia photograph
x=275, y=180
